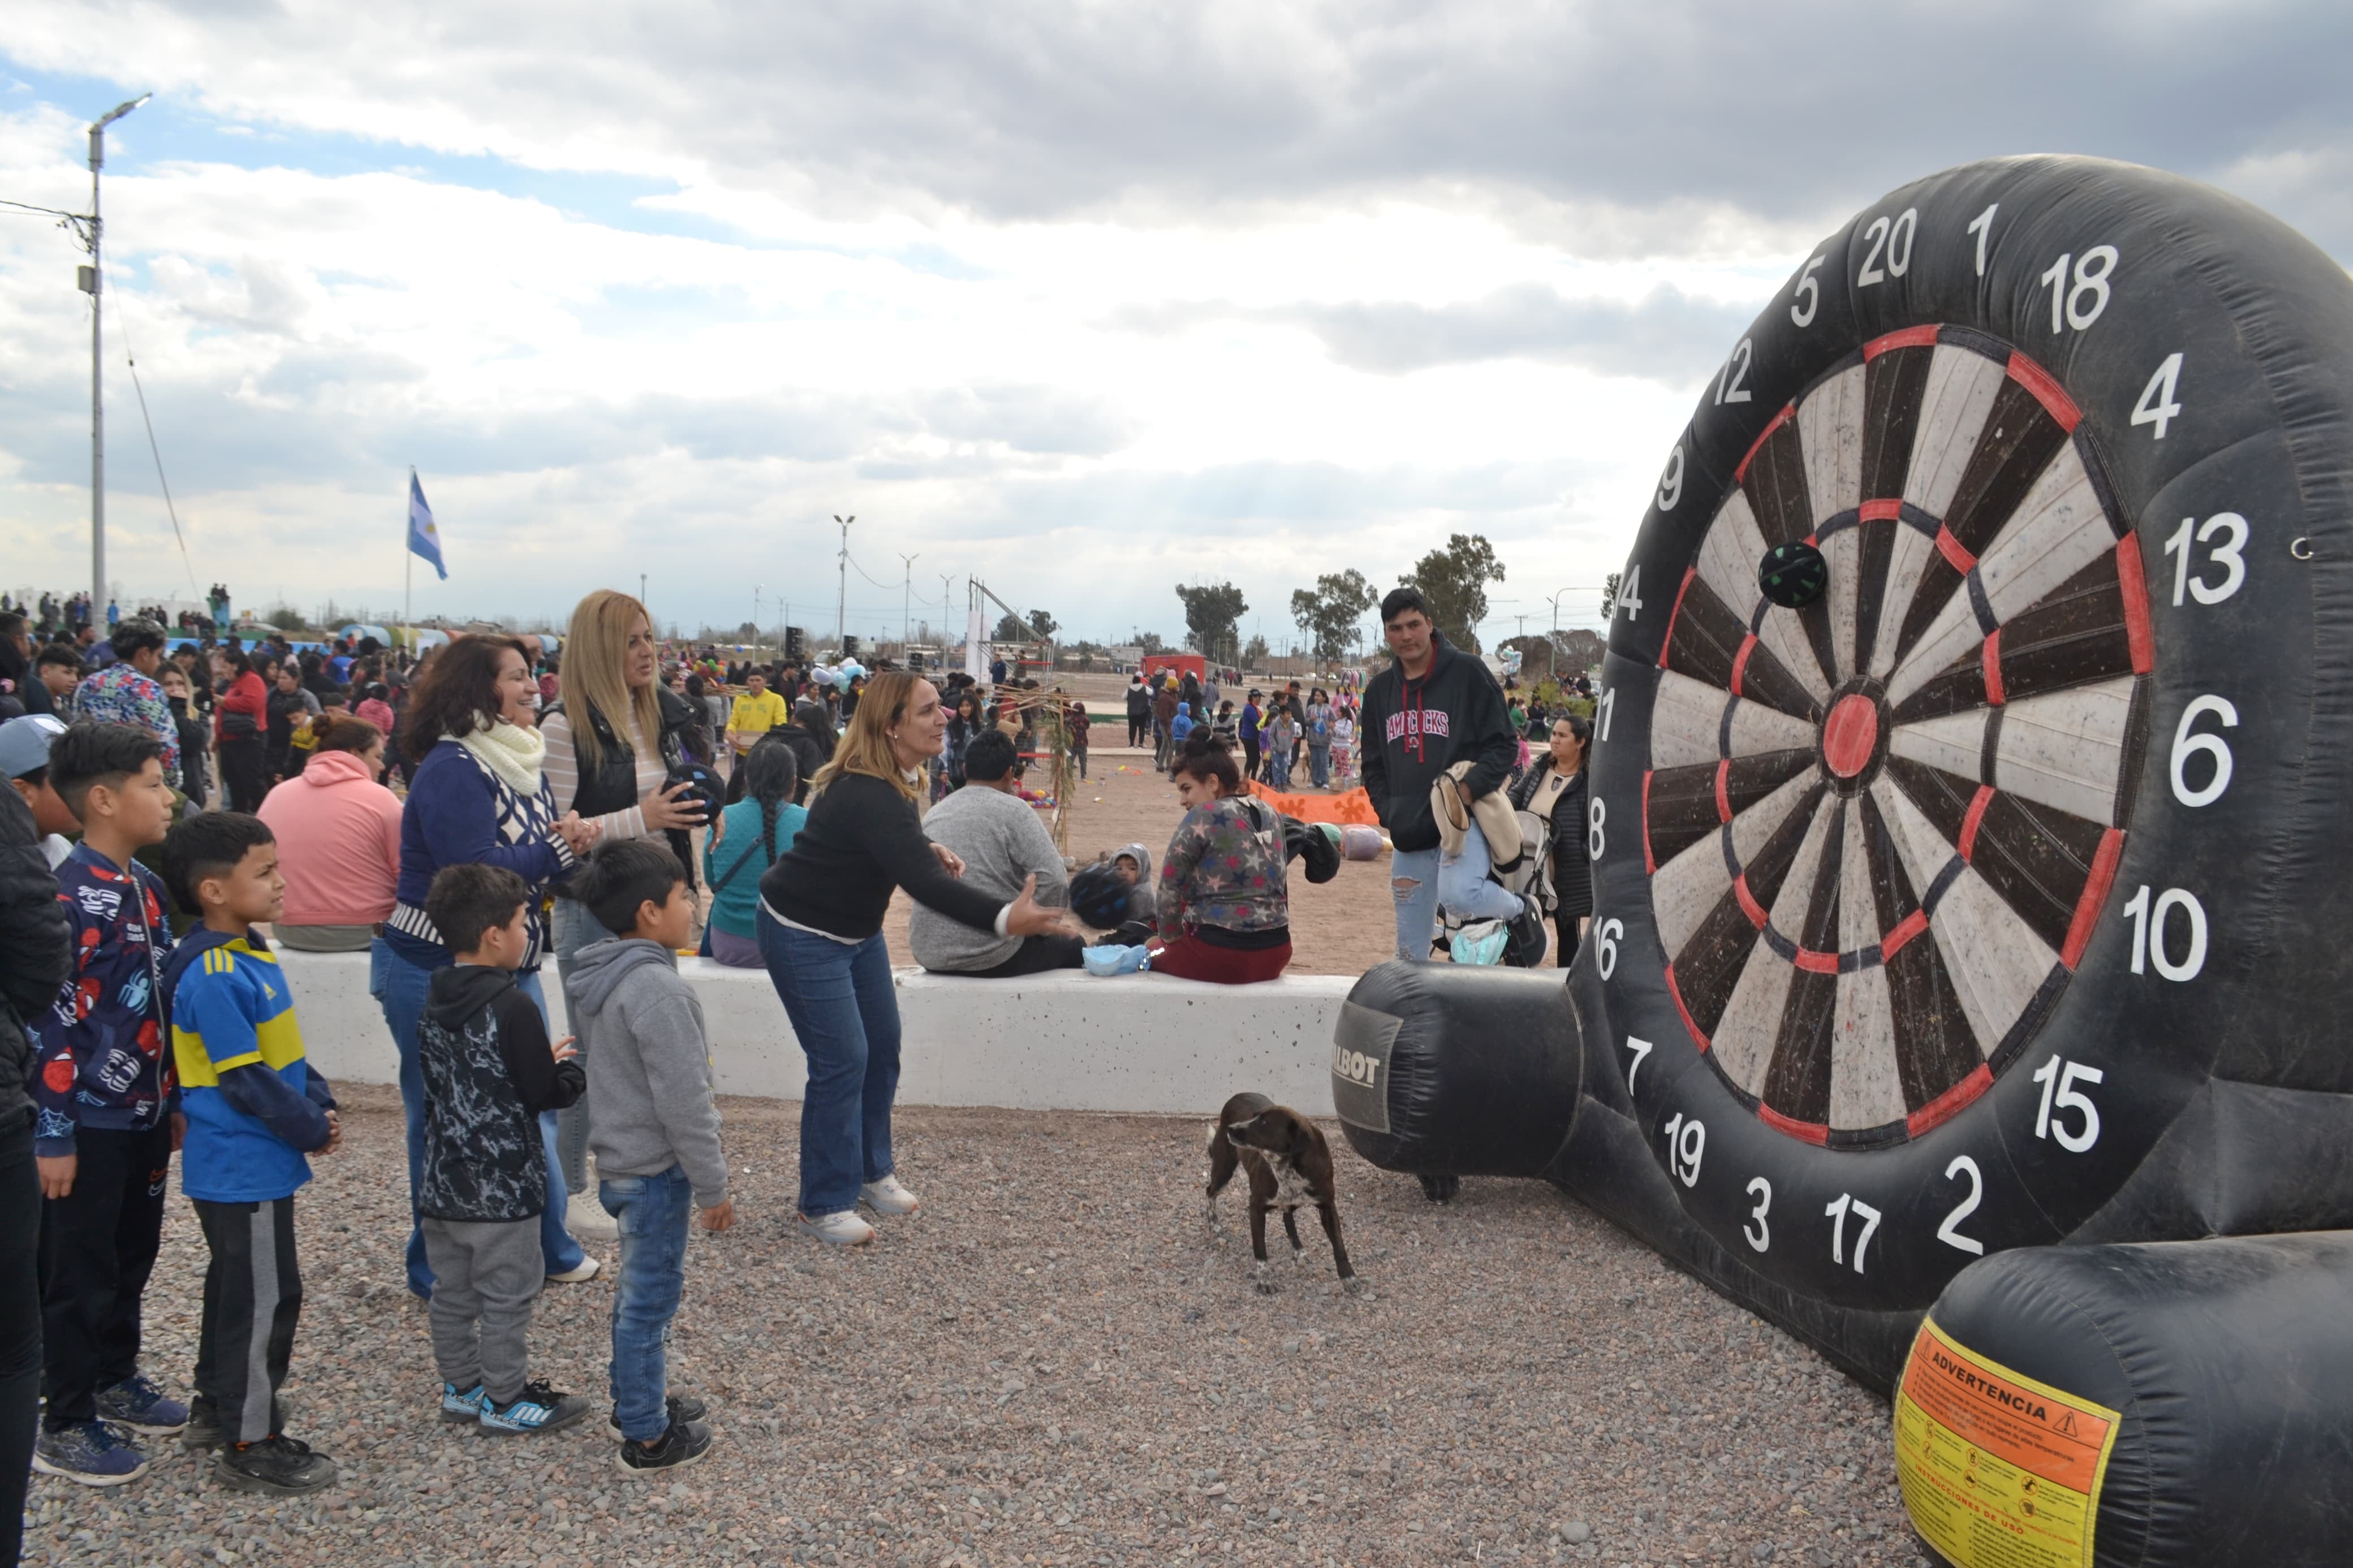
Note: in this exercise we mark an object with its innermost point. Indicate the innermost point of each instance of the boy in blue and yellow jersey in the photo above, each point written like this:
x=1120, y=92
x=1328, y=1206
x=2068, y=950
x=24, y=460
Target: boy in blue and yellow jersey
x=103, y=1133
x=255, y=1108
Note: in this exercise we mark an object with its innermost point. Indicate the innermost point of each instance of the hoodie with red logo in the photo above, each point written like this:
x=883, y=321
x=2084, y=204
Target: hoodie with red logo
x=1414, y=731
x=101, y=1046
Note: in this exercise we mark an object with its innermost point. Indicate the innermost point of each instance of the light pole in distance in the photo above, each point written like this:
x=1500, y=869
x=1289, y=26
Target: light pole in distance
x=90, y=283
x=841, y=602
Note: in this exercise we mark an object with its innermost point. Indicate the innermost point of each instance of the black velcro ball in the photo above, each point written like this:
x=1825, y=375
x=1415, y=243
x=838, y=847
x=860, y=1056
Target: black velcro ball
x=1793, y=575
x=1099, y=897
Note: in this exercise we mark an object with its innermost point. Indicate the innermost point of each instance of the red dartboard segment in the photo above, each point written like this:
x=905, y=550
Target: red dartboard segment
x=1928, y=881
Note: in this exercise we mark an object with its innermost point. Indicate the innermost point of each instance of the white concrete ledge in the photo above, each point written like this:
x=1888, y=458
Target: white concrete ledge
x=1066, y=1041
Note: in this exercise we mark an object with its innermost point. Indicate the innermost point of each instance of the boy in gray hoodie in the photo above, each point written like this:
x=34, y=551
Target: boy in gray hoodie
x=652, y=1126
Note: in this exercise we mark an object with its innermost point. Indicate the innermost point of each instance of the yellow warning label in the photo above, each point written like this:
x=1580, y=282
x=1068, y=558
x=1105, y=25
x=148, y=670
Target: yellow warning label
x=1997, y=1470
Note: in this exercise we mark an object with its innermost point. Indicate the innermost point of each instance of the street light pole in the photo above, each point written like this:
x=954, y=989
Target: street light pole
x=842, y=603
x=907, y=605
x=97, y=370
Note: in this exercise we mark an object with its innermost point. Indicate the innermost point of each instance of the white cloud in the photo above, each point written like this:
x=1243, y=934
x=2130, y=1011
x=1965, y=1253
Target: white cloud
x=1085, y=299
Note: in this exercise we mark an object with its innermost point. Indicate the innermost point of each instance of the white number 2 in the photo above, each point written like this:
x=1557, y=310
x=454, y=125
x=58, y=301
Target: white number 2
x=1949, y=1232
x=2060, y=1094
x=1837, y=1211
x=2226, y=555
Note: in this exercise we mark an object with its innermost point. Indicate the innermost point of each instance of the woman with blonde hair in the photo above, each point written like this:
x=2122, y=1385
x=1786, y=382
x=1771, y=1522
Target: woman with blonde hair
x=820, y=933
x=613, y=741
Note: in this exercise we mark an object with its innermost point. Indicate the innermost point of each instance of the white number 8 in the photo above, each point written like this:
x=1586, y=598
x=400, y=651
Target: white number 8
x=1594, y=837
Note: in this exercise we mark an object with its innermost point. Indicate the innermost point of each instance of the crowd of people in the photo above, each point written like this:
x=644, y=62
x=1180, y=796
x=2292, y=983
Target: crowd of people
x=550, y=796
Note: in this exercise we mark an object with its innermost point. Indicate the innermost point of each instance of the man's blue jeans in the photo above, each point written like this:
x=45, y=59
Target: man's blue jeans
x=1423, y=881
x=400, y=988
x=843, y=1009
x=653, y=1213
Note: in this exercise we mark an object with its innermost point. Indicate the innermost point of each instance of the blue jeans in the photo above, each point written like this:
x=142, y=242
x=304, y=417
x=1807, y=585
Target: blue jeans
x=653, y=1213
x=1319, y=766
x=400, y=987
x=1422, y=881
x=843, y=1008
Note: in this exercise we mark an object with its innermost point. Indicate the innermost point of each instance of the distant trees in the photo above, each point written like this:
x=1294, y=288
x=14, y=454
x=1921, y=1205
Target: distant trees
x=1329, y=612
x=1454, y=580
x=1212, y=615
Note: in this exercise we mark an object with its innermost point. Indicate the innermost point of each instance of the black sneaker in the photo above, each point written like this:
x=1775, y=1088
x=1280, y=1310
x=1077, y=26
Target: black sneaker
x=203, y=1430
x=280, y=1465
x=683, y=1444
x=1525, y=948
x=680, y=1407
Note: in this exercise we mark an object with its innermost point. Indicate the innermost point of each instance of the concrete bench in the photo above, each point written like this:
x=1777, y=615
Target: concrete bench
x=1065, y=1041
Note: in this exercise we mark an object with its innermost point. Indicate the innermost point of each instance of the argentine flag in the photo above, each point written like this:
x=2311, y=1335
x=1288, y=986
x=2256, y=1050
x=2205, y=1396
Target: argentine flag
x=424, y=539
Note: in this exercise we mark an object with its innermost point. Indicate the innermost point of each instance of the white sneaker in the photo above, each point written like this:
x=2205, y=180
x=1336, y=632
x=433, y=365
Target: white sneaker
x=586, y=1270
x=843, y=1229
x=586, y=1215
x=888, y=1197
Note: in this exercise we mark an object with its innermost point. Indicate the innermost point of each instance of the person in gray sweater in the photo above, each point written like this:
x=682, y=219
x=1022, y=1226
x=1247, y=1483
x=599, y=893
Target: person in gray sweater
x=652, y=1127
x=1002, y=843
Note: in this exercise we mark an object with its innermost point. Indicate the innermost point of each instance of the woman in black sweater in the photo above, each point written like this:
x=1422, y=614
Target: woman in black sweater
x=1554, y=789
x=820, y=929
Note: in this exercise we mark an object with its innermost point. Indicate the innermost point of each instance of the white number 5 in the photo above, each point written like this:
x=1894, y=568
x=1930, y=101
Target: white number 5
x=1810, y=289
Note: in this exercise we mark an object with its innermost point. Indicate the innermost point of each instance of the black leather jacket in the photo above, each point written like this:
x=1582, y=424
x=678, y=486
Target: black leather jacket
x=612, y=783
x=35, y=946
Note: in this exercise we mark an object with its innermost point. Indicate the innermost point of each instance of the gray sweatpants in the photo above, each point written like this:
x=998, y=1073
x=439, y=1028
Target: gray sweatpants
x=485, y=1275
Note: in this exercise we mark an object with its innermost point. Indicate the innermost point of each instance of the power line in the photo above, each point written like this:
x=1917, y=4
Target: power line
x=131, y=358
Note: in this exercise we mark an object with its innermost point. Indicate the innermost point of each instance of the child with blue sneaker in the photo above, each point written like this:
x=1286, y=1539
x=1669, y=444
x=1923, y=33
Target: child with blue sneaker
x=255, y=1108
x=489, y=1073
x=653, y=1127
x=106, y=1123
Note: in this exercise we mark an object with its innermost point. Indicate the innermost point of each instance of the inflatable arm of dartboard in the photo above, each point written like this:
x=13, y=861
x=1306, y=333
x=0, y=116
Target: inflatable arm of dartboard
x=1994, y=897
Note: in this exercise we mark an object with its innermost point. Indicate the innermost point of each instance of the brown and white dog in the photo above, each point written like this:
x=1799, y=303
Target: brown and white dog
x=1288, y=1165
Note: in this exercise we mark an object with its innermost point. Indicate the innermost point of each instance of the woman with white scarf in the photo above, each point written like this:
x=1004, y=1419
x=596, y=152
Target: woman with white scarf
x=478, y=797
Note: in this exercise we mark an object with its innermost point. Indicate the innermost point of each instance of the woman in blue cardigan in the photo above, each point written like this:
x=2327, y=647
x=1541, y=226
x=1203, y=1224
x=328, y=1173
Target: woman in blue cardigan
x=478, y=798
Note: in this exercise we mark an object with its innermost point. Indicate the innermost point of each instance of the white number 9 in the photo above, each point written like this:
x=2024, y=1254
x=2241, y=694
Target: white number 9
x=1671, y=483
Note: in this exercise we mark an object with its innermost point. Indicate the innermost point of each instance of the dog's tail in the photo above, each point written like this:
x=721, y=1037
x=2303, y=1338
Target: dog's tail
x=1209, y=1140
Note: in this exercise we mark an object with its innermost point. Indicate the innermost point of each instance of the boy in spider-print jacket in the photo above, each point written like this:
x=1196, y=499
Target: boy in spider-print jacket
x=106, y=1123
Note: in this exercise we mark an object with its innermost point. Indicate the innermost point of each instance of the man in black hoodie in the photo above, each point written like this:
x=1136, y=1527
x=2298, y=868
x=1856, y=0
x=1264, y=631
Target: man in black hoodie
x=1435, y=706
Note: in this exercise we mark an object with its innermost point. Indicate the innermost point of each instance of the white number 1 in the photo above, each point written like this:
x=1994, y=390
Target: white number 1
x=1837, y=1211
x=1982, y=226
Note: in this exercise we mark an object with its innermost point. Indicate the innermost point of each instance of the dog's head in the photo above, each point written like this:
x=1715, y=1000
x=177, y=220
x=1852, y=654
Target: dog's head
x=1275, y=1131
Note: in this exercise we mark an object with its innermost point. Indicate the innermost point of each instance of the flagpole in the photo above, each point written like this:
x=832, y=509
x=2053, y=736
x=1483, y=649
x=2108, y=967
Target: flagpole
x=408, y=556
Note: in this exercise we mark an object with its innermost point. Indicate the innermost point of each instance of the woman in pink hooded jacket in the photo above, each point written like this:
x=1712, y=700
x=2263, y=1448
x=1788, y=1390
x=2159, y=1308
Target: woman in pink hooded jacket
x=338, y=833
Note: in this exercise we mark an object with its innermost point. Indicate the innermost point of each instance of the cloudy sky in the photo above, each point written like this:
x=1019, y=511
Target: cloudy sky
x=1084, y=299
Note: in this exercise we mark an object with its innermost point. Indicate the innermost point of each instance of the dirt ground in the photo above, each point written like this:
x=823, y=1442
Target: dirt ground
x=1343, y=927
x=1055, y=1363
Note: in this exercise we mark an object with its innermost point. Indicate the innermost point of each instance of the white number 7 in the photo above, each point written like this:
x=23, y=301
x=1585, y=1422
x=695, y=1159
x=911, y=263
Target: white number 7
x=1641, y=1049
x=1862, y=1211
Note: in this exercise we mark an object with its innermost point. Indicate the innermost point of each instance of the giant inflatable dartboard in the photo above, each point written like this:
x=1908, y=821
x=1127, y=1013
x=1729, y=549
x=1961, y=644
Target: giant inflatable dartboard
x=1949, y=912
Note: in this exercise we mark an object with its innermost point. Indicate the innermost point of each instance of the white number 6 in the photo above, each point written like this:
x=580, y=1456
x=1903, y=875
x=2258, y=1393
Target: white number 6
x=1605, y=938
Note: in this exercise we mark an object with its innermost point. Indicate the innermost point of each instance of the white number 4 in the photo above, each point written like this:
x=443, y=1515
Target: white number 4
x=2157, y=405
x=1837, y=1212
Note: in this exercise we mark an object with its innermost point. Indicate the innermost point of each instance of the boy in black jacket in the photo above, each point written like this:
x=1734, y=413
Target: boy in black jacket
x=1432, y=708
x=490, y=1073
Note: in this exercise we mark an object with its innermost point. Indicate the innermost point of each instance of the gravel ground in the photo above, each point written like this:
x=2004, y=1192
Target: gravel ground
x=1053, y=1364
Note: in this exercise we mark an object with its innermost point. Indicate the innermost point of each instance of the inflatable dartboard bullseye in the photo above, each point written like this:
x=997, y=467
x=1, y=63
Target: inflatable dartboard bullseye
x=1990, y=895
